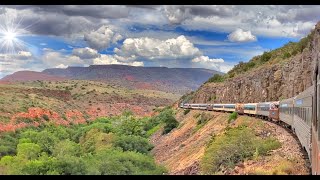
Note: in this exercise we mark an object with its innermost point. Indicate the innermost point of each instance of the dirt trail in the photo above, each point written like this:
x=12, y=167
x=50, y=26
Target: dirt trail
x=182, y=149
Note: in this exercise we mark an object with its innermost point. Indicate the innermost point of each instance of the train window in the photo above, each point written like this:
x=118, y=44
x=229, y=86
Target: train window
x=230, y=106
x=249, y=107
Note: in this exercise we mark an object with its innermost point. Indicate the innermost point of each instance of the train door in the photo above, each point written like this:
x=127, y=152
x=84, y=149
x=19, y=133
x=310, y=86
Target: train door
x=274, y=111
x=240, y=108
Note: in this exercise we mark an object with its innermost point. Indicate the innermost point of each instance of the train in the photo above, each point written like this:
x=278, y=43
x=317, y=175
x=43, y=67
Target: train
x=301, y=114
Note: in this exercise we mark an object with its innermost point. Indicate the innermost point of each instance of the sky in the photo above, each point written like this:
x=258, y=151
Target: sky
x=200, y=36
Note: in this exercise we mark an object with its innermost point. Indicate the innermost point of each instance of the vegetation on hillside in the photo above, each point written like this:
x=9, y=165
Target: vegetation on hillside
x=216, y=78
x=278, y=55
x=234, y=146
x=165, y=117
x=187, y=97
x=114, y=145
x=233, y=116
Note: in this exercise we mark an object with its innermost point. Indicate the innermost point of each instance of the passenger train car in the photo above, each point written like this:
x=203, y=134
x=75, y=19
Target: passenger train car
x=300, y=113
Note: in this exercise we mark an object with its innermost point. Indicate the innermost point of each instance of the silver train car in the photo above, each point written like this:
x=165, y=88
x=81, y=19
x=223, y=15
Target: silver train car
x=302, y=118
x=229, y=107
x=263, y=108
x=250, y=108
x=286, y=111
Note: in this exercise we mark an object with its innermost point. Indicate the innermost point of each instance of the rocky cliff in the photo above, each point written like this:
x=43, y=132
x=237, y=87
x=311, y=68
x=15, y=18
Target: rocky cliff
x=268, y=82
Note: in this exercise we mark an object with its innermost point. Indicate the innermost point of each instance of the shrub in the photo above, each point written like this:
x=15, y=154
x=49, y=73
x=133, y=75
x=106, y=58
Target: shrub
x=153, y=130
x=186, y=111
x=265, y=57
x=169, y=120
x=233, y=116
x=45, y=117
x=133, y=143
x=216, y=78
x=286, y=55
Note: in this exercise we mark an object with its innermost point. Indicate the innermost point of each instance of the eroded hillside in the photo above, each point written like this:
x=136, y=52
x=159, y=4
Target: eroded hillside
x=72, y=102
x=182, y=151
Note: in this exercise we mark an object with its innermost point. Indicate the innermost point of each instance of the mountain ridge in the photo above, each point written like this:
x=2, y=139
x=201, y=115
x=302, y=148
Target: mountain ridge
x=177, y=80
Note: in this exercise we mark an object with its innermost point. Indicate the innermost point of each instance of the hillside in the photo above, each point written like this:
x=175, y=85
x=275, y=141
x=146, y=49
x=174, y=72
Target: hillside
x=155, y=78
x=73, y=101
x=205, y=142
x=278, y=74
x=31, y=76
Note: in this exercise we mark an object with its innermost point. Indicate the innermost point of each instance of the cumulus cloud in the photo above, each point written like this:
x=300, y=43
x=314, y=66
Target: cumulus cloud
x=206, y=59
x=272, y=21
x=54, y=59
x=102, y=38
x=110, y=59
x=205, y=62
x=151, y=48
x=74, y=20
x=85, y=53
x=241, y=36
x=177, y=14
x=10, y=63
x=61, y=66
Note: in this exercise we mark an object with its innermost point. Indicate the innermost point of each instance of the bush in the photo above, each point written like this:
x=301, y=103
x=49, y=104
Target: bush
x=133, y=143
x=169, y=120
x=216, y=78
x=233, y=116
x=45, y=117
x=265, y=57
x=153, y=130
x=286, y=55
x=186, y=111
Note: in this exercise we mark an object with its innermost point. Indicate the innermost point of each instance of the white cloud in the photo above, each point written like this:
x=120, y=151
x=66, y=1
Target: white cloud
x=271, y=21
x=102, y=38
x=206, y=62
x=62, y=66
x=206, y=59
x=85, y=53
x=226, y=67
x=10, y=63
x=53, y=59
x=241, y=36
x=110, y=59
x=151, y=48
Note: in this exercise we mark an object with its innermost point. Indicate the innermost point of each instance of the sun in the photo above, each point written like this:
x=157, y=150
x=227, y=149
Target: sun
x=10, y=36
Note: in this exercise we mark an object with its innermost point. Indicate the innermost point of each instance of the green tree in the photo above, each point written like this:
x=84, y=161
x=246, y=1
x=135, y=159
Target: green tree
x=28, y=150
x=133, y=143
x=66, y=147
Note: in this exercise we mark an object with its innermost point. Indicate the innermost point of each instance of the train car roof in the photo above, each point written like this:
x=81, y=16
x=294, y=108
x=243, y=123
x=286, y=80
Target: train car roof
x=308, y=91
x=287, y=100
x=250, y=103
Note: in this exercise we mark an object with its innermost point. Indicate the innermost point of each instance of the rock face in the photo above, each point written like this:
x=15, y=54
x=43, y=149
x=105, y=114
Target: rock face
x=267, y=83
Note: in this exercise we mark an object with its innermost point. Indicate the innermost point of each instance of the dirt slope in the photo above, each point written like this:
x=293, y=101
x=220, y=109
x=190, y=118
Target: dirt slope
x=182, y=149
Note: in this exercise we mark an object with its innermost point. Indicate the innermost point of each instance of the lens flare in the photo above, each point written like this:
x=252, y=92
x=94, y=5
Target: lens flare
x=10, y=33
x=10, y=36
